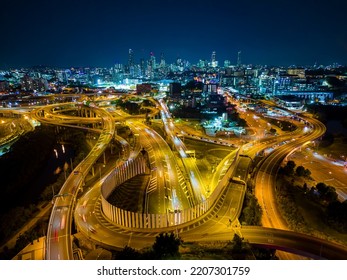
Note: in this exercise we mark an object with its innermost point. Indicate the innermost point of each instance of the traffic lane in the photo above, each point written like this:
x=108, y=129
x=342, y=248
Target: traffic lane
x=334, y=174
x=295, y=242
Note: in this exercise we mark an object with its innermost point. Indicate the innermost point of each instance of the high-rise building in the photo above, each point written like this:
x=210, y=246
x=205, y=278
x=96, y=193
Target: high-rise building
x=27, y=83
x=239, y=58
x=152, y=60
x=61, y=76
x=162, y=60
x=214, y=62
x=202, y=63
x=178, y=61
x=142, y=67
x=131, y=65
x=213, y=57
x=118, y=73
x=211, y=88
x=131, y=58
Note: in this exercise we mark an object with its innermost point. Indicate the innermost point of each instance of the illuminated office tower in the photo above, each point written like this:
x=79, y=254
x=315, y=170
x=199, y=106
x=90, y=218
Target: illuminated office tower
x=131, y=58
x=214, y=62
x=152, y=60
x=151, y=66
x=131, y=63
x=239, y=58
x=227, y=63
x=162, y=60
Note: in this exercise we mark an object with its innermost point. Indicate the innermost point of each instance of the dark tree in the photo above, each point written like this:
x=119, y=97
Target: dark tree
x=307, y=173
x=337, y=215
x=322, y=189
x=326, y=193
x=166, y=246
x=127, y=253
x=289, y=168
x=330, y=194
x=237, y=245
x=300, y=171
x=264, y=254
x=251, y=212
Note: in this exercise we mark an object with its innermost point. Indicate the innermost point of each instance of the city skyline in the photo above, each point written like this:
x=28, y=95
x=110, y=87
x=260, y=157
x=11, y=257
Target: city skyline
x=100, y=33
x=246, y=156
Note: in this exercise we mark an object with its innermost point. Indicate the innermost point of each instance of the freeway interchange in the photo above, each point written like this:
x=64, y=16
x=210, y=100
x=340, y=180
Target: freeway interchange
x=176, y=184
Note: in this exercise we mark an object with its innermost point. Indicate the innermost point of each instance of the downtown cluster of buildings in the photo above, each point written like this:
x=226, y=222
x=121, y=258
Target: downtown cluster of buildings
x=308, y=84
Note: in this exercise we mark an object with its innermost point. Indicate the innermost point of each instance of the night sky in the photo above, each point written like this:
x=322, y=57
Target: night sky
x=68, y=33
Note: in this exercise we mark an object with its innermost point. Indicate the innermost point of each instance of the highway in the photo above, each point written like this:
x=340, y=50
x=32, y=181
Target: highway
x=265, y=178
x=294, y=242
x=58, y=241
x=198, y=185
x=265, y=172
x=216, y=226
x=167, y=191
x=323, y=169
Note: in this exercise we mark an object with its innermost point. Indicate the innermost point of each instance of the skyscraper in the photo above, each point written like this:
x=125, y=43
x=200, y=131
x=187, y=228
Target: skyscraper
x=131, y=64
x=162, y=60
x=131, y=58
x=213, y=57
x=152, y=60
x=239, y=58
x=214, y=62
x=151, y=65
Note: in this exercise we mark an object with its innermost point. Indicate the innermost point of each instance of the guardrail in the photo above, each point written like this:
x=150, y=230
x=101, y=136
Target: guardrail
x=130, y=219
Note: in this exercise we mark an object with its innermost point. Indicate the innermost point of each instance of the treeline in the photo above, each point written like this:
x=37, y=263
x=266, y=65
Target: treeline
x=251, y=211
x=134, y=108
x=167, y=247
x=30, y=236
x=325, y=196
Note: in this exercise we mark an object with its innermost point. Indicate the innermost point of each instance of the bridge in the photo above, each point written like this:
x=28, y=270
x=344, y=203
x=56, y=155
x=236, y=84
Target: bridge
x=194, y=217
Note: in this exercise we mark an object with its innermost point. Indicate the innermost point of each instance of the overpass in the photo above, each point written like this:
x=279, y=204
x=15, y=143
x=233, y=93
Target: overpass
x=294, y=242
x=65, y=204
x=58, y=241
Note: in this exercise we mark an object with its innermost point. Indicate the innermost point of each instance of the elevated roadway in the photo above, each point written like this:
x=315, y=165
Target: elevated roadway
x=268, y=168
x=58, y=241
x=294, y=242
x=215, y=224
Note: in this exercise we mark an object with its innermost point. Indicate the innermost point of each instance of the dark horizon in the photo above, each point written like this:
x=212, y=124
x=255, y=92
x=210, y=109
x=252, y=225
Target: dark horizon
x=192, y=63
x=110, y=66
